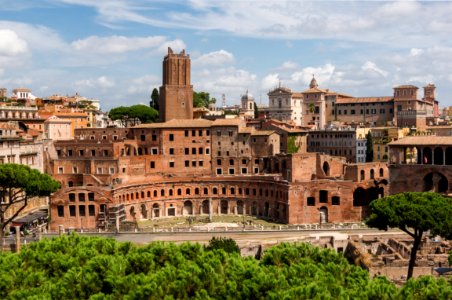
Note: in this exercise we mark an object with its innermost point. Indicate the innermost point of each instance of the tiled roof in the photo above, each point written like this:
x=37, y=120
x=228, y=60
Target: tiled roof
x=297, y=95
x=262, y=132
x=314, y=90
x=421, y=140
x=365, y=100
x=227, y=122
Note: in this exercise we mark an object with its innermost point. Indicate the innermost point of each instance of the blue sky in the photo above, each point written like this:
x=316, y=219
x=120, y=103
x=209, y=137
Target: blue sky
x=112, y=49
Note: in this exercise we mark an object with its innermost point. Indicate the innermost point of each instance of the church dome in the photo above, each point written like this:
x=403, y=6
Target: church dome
x=313, y=83
x=247, y=96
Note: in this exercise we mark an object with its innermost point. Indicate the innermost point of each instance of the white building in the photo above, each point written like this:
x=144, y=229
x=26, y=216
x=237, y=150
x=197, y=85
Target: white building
x=286, y=106
x=247, y=106
x=58, y=129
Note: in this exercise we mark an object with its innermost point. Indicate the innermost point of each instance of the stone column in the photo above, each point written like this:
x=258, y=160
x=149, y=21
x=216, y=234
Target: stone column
x=210, y=209
x=244, y=208
x=422, y=155
x=60, y=229
x=444, y=156
x=235, y=208
x=433, y=156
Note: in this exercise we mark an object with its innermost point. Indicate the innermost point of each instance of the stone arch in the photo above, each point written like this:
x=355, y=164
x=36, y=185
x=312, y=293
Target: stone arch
x=206, y=191
x=448, y=156
x=323, y=215
x=132, y=211
x=266, y=209
x=188, y=208
x=254, y=210
x=240, y=207
x=155, y=193
x=205, y=207
x=326, y=168
x=427, y=153
x=162, y=193
x=156, y=210
x=436, y=182
x=144, y=211
x=438, y=155
x=224, y=207
x=359, y=197
x=372, y=174
x=187, y=191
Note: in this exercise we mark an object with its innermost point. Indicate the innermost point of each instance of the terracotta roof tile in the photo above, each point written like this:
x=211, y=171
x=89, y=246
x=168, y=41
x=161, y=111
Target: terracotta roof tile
x=429, y=140
x=365, y=100
x=178, y=123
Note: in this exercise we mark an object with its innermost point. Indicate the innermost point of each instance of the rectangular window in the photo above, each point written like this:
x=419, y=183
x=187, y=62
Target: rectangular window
x=187, y=151
x=200, y=132
x=152, y=165
x=218, y=133
x=193, y=133
x=244, y=170
x=60, y=211
x=154, y=151
x=193, y=150
x=72, y=210
x=200, y=151
x=187, y=163
x=323, y=196
x=72, y=197
x=91, y=211
x=69, y=152
x=90, y=196
x=193, y=163
x=335, y=200
x=81, y=210
x=311, y=201
x=112, y=170
x=171, y=137
x=74, y=170
x=81, y=197
x=171, y=151
x=201, y=163
x=143, y=137
x=207, y=151
x=154, y=137
x=171, y=164
x=60, y=170
x=231, y=171
x=186, y=133
x=219, y=171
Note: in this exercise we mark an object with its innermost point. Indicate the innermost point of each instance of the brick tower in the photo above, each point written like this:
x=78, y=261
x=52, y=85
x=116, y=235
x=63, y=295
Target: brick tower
x=176, y=93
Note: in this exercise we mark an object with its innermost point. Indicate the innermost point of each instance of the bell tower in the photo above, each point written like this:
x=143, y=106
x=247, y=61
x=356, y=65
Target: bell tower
x=176, y=93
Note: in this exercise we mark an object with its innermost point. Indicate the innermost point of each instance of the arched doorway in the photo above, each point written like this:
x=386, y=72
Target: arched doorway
x=359, y=197
x=144, y=211
x=224, y=207
x=156, y=210
x=188, y=208
x=266, y=209
x=427, y=153
x=436, y=182
x=254, y=208
x=132, y=211
x=326, y=168
x=438, y=156
x=240, y=210
x=449, y=156
x=323, y=215
x=205, y=208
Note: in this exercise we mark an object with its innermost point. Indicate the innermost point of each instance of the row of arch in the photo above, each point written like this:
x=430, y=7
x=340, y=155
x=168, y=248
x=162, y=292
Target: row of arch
x=18, y=115
x=277, y=211
x=362, y=173
x=427, y=155
x=215, y=191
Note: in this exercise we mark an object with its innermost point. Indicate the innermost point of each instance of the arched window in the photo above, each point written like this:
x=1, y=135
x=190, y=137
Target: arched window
x=381, y=172
x=372, y=174
x=363, y=176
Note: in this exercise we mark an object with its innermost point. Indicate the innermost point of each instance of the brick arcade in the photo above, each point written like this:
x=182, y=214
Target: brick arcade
x=185, y=167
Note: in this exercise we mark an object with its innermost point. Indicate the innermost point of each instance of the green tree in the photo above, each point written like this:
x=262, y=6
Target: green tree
x=227, y=244
x=155, y=99
x=19, y=183
x=415, y=214
x=256, y=111
x=370, y=147
x=202, y=99
x=133, y=115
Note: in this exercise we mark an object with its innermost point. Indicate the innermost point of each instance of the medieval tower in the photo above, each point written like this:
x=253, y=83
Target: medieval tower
x=176, y=93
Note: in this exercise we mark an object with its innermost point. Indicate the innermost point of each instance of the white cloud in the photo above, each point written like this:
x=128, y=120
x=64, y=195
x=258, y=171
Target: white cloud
x=11, y=44
x=176, y=45
x=215, y=58
x=143, y=85
x=416, y=51
x=322, y=74
x=270, y=81
x=117, y=44
x=371, y=66
x=289, y=65
x=100, y=82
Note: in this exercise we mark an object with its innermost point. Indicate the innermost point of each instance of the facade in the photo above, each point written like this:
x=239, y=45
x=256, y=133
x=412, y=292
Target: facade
x=421, y=163
x=189, y=167
x=3, y=93
x=247, y=105
x=285, y=106
x=57, y=129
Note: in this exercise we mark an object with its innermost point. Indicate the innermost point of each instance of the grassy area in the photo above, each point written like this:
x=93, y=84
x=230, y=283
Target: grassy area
x=200, y=220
